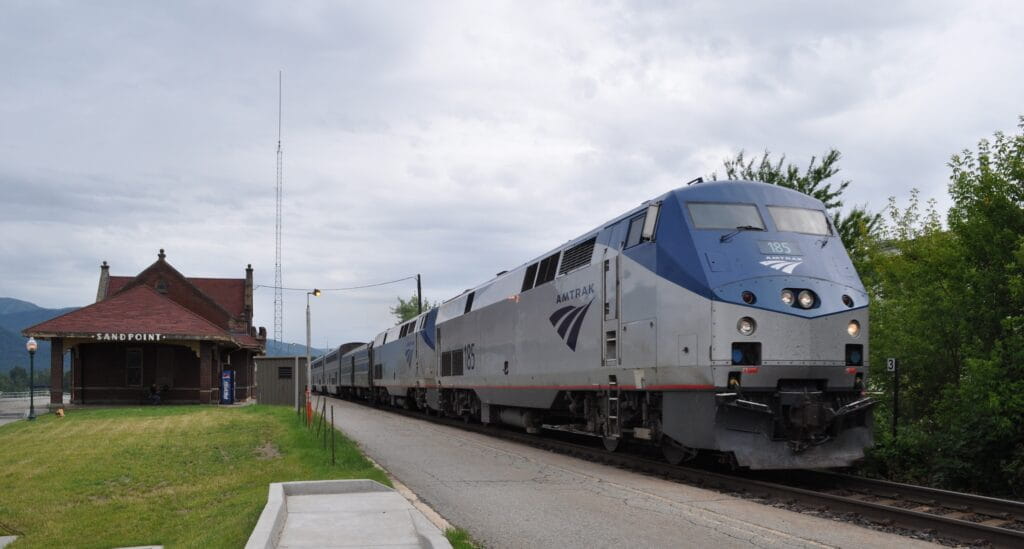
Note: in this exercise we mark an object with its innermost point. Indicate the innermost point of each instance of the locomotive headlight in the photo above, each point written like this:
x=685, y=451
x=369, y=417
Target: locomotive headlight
x=746, y=326
x=787, y=297
x=806, y=299
x=853, y=328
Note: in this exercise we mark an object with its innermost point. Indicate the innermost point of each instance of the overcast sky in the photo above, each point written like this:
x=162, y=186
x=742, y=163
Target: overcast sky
x=451, y=139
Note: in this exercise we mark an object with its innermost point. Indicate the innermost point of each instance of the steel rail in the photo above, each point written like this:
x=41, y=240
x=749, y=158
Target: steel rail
x=746, y=483
x=1004, y=509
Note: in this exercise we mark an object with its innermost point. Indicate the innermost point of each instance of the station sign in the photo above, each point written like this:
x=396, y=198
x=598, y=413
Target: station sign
x=133, y=337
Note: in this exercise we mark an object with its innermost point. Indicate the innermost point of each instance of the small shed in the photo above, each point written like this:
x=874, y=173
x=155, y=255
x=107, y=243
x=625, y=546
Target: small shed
x=280, y=379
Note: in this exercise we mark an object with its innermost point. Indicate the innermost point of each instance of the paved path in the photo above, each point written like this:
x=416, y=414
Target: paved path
x=14, y=409
x=510, y=495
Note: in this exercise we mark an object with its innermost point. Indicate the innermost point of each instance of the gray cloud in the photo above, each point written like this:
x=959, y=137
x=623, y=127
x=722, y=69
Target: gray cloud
x=452, y=139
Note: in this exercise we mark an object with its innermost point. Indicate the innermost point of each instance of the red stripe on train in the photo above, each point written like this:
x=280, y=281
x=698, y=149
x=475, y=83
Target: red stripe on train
x=564, y=387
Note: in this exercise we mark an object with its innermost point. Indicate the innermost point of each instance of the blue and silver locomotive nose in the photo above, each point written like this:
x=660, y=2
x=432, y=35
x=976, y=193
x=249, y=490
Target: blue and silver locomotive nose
x=789, y=322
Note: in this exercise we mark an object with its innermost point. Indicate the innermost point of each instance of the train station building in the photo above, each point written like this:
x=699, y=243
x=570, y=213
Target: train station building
x=158, y=336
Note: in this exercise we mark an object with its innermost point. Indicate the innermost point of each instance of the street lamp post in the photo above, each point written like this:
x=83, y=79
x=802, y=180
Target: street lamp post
x=31, y=347
x=309, y=370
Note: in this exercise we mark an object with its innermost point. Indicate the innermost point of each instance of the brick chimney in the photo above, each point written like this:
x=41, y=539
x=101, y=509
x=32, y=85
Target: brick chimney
x=101, y=291
x=248, y=294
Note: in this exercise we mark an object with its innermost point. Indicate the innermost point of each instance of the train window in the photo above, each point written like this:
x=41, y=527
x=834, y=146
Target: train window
x=636, y=226
x=650, y=221
x=706, y=215
x=799, y=220
x=402, y=332
x=469, y=303
x=578, y=256
x=547, y=269
x=531, y=275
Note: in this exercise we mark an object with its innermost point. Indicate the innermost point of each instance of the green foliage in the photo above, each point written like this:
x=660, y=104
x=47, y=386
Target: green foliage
x=855, y=227
x=18, y=378
x=950, y=305
x=460, y=539
x=406, y=308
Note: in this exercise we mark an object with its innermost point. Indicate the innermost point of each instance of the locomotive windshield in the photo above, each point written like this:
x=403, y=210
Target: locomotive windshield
x=707, y=215
x=799, y=220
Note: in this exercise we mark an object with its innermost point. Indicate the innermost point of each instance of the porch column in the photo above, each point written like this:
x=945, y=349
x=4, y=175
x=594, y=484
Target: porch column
x=76, y=375
x=56, y=371
x=205, y=371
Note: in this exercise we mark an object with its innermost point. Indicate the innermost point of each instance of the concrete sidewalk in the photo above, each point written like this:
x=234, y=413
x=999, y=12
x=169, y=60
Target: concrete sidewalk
x=341, y=513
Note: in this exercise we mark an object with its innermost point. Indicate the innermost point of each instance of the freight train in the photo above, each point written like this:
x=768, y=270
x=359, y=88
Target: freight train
x=722, y=317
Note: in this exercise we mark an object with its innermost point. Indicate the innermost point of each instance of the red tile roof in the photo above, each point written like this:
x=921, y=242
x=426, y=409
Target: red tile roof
x=136, y=310
x=247, y=341
x=229, y=293
x=115, y=284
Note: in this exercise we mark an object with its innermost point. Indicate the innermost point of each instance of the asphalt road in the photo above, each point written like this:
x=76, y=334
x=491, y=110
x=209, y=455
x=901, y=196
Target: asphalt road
x=509, y=495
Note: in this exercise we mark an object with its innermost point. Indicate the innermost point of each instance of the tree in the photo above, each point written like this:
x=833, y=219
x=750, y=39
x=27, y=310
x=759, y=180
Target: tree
x=406, y=308
x=855, y=227
x=950, y=303
x=19, y=378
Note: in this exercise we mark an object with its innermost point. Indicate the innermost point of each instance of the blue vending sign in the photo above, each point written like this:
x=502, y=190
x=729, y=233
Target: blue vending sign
x=227, y=387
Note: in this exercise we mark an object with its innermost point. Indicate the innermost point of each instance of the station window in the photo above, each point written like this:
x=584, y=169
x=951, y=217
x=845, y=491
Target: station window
x=133, y=368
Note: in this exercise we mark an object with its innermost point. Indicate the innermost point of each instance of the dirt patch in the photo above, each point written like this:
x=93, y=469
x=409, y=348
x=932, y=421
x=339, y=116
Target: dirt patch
x=268, y=450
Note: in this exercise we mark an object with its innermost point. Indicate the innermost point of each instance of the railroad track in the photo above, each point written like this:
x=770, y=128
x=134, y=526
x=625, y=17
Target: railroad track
x=950, y=516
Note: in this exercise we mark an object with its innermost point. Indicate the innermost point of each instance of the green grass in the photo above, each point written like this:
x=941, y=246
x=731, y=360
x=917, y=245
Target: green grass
x=460, y=539
x=181, y=476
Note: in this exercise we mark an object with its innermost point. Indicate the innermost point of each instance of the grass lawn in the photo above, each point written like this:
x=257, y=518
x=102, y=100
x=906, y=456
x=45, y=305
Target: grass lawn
x=181, y=476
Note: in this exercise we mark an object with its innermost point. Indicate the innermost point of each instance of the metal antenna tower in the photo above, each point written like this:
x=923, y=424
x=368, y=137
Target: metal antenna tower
x=278, y=299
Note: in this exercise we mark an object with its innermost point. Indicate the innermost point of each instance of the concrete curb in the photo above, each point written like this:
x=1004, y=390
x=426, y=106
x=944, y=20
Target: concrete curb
x=428, y=511
x=268, y=530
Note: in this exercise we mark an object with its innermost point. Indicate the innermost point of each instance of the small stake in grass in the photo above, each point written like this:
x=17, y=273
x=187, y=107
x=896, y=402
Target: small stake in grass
x=332, y=434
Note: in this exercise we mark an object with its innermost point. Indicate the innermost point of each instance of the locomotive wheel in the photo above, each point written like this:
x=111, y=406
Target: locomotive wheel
x=676, y=453
x=611, y=443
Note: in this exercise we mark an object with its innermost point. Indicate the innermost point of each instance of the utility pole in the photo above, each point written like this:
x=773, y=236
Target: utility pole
x=419, y=296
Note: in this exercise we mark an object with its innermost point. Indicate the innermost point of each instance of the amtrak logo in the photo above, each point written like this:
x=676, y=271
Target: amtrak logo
x=575, y=293
x=567, y=322
x=785, y=264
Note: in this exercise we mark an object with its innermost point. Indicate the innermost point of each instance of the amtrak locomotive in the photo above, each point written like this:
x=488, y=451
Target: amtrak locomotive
x=722, y=316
